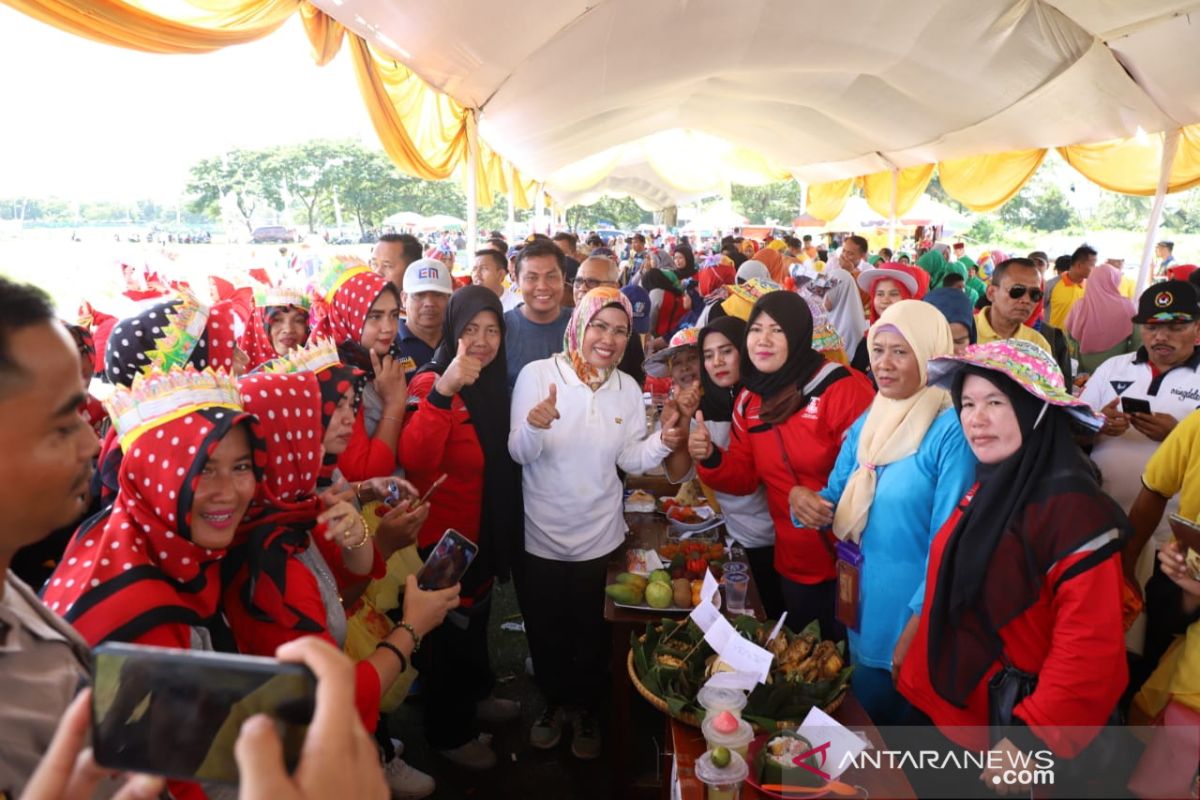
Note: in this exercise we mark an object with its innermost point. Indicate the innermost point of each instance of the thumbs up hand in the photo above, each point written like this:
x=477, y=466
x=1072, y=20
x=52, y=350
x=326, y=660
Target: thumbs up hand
x=463, y=371
x=673, y=434
x=544, y=413
x=700, y=444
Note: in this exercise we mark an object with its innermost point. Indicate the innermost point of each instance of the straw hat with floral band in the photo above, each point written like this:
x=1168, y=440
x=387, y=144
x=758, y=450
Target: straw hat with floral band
x=659, y=364
x=1168, y=301
x=1027, y=364
x=743, y=296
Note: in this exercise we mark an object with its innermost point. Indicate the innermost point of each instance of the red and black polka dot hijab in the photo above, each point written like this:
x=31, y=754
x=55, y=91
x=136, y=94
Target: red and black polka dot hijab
x=342, y=310
x=175, y=333
x=136, y=569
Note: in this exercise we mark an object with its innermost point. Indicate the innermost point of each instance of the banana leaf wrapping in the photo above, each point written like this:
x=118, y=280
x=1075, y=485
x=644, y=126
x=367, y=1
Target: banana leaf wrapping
x=672, y=661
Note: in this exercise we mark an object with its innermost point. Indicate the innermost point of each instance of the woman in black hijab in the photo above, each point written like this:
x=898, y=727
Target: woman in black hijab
x=457, y=426
x=787, y=431
x=1027, y=573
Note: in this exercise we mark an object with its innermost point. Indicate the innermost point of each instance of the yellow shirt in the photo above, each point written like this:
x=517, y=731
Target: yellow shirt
x=1066, y=293
x=1128, y=288
x=986, y=334
x=1174, y=469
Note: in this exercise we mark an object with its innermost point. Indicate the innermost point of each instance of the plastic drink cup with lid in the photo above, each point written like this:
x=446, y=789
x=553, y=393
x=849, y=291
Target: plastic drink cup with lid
x=715, y=699
x=724, y=783
x=727, y=730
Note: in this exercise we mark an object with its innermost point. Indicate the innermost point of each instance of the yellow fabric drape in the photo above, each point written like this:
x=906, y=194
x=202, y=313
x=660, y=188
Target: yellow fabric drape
x=1131, y=166
x=324, y=33
x=910, y=185
x=984, y=183
x=127, y=24
x=422, y=130
x=826, y=200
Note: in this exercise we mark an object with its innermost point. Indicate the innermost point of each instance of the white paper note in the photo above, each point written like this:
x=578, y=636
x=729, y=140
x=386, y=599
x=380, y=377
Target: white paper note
x=704, y=615
x=719, y=635
x=745, y=656
x=819, y=728
x=710, y=590
x=733, y=680
x=778, y=627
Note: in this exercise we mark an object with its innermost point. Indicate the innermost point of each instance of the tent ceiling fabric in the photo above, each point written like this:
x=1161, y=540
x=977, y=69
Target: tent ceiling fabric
x=885, y=84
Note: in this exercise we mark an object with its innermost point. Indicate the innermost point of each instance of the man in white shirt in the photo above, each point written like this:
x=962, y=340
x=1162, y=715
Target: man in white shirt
x=1143, y=396
x=842, y=300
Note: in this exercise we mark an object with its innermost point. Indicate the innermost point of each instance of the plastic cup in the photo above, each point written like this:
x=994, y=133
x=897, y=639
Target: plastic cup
x=734, y=566
x=738, y=741
x=723, y=783
x=715, y=699
x=736, y=584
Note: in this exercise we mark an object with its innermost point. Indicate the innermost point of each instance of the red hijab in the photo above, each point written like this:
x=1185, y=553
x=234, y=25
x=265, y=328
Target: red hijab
x=916, y=273
x=342, y=310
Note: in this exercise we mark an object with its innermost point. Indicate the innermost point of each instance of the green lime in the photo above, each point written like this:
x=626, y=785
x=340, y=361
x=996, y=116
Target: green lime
x=721, y=757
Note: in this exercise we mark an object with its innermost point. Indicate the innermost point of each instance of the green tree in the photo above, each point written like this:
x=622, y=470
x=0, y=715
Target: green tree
x=306, y=170
x=238, y=174
x=776, y=203
x=621, y=212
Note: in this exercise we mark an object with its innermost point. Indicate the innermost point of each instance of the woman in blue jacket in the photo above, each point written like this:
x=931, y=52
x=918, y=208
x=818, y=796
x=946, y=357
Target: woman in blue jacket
x=907, y=457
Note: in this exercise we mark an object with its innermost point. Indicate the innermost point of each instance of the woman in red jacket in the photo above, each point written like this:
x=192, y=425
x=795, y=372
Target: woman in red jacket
x=1027, y=571
x=457, y=426
x=360, y=313
x=788, y=425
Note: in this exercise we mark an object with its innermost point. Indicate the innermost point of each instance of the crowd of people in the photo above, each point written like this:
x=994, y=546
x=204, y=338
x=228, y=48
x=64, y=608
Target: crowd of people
x=989, y=447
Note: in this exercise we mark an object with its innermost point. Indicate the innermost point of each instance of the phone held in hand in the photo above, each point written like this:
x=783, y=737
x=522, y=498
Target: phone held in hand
x=178, y=712
x=1135, y=405
x=1187, y=533
x=448, y=562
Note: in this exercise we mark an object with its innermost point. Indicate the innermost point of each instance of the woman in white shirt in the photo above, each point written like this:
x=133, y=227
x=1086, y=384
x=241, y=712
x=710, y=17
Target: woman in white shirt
x=576, y=418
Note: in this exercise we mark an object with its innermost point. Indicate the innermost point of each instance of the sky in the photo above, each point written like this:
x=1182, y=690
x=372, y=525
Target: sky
x=84, y=120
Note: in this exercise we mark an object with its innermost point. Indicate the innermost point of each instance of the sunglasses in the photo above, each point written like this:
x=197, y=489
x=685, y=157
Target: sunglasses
x=1017, y=292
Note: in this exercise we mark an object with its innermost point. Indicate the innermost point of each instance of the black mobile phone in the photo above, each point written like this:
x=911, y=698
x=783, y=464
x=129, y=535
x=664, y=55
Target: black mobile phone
x=1135, y=405
x=448, y=562
x=178, y=712
x=355, y=355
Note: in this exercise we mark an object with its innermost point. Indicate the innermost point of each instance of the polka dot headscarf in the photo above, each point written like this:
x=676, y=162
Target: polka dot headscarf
x=343, y=311
x=136, y=568
x=155, y=337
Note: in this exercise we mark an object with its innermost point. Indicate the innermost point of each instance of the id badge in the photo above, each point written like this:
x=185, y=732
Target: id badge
x=848, y=606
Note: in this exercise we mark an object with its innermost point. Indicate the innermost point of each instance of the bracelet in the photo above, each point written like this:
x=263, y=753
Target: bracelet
x=366, y=535
x=395, y=650
x=357, y=489
x=416, y=639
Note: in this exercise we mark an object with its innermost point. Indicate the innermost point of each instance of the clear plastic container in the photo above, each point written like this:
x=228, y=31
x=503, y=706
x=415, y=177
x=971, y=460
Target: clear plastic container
x=715, y=699
x=737, y=741
x=723, y=783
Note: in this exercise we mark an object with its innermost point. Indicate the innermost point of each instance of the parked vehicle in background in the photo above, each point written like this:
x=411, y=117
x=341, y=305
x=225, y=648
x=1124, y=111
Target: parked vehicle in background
x=273, y=234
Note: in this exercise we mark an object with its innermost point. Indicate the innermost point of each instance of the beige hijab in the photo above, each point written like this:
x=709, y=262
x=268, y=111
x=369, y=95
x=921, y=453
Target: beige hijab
x=894, y=428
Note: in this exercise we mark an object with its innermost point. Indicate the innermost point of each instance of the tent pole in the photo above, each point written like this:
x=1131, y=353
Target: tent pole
x=1169, y=147
x=510, y=228
x=472, y=183
x=895, y=205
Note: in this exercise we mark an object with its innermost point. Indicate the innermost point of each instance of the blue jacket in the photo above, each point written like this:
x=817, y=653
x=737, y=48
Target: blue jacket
x=913, y=499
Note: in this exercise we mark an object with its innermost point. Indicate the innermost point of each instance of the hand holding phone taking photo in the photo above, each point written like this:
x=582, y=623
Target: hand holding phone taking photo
x=448, y=561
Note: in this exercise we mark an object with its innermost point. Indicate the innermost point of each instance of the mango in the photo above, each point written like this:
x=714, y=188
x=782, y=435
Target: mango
x=624, y=593
x=632, y=579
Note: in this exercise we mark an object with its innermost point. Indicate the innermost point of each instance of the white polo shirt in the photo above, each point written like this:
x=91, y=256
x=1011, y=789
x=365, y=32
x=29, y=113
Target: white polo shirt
x=1122, y=459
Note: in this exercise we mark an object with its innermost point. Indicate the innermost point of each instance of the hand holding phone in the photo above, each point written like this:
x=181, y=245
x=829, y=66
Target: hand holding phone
x=1187, y=534
x=1135, y=405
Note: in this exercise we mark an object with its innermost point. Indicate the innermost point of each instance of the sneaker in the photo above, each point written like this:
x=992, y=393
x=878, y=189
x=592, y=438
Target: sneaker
x=406, y=781
x=473, y=755
x=494, y=710
x=585, y=738
x=547, y=730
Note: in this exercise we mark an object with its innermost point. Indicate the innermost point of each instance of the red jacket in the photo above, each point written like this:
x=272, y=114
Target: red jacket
x=809, y=441
x=1072, y=638
x=365, y=457
x=438, y=438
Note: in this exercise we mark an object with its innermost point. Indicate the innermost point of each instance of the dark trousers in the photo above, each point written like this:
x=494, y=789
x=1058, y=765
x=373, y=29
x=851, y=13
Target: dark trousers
x=455, y=675
x=766, y=579
x=874, y=689
x=808, y=601
x=563, y=606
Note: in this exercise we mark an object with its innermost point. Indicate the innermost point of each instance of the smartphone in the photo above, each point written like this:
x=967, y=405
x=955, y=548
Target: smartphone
x=1135, y=405
x=178, y=712
x=429, y=493
x=448, y=562
x=1187, y=533
x=355, y=355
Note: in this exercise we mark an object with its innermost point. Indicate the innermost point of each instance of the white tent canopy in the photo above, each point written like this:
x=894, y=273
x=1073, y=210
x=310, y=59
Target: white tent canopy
x=597, y=96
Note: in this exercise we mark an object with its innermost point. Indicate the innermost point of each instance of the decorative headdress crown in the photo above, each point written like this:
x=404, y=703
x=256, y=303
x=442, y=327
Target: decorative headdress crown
x=186, y=322
x=158, y=397
x=319, y=355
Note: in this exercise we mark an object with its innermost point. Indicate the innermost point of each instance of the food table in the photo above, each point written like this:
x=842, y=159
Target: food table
x=646, y=531
x=685, y=743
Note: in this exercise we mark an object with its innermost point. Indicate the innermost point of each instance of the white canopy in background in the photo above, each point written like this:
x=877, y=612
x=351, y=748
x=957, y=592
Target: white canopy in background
x=665, y=100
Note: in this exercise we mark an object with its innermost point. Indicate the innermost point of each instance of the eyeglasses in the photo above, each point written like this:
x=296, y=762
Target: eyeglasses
x=604, y=329
x=1018, y=291
x=592, y=283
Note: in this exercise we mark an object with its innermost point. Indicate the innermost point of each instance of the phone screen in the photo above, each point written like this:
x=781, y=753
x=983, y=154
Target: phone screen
x=448, y=562
x=1135, y=405
x=178, y=712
